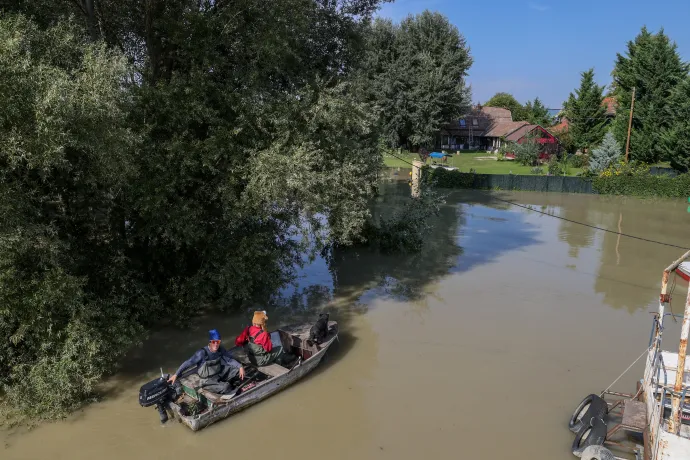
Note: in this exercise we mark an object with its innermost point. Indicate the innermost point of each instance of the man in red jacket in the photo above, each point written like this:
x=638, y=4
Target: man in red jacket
x=257, y=341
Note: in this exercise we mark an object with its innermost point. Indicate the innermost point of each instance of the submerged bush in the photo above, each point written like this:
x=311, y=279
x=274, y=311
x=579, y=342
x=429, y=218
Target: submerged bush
x=406, y=228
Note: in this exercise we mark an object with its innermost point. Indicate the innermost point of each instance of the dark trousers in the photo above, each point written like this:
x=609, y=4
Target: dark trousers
x=221, y=383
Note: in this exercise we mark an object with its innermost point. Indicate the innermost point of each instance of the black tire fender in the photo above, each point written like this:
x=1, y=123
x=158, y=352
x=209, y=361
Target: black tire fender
x=591, y=406
x=597, y=453
x=591, y=434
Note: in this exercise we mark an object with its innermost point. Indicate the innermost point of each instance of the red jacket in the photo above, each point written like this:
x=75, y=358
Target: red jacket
x=263, y=339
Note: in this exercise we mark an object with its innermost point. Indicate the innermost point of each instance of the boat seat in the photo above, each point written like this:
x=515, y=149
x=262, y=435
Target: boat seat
x=194, y=381
x=273, y=370
x=286, y=340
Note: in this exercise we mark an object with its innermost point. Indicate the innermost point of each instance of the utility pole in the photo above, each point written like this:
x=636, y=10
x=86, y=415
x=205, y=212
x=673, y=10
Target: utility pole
x=627, y=142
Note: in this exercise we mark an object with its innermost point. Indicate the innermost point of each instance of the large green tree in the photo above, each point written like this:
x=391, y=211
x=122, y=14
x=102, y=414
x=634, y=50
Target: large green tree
x=508, y=101
x=71, y=304
x=414, y=73
x=158, y=158
x=675, y=141
x=586, y=113
x=654, y=68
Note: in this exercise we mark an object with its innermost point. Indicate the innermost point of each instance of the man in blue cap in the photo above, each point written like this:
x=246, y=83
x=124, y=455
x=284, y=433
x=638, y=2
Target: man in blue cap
x=216, y=366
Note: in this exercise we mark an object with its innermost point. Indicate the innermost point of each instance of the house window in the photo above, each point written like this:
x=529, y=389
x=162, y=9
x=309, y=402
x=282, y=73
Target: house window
x=475, y=122
x=462, y=123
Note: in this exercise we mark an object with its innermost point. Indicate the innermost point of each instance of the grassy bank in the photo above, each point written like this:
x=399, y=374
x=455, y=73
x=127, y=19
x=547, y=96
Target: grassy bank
x=480, y=162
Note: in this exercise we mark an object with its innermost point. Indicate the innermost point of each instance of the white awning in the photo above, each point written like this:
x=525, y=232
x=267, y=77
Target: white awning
x=684, y=270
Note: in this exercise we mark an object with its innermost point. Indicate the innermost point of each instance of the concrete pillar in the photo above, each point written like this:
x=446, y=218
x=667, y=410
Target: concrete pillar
x=416, y=178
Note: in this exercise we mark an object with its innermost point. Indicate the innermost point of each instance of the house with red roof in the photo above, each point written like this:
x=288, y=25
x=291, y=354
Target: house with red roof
x=564, y=124
x=549, y=142
x=489, y=128
x=611, y=106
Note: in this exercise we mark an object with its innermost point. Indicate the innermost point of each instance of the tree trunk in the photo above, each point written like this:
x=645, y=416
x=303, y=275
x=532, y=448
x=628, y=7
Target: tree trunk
x=91, y=21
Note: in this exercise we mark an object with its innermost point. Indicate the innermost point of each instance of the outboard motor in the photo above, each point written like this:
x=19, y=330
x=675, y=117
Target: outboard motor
x=157, y=392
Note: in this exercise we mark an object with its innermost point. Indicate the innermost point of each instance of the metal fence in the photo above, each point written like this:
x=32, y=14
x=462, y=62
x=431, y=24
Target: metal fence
x=563, y=184
x=660, y=171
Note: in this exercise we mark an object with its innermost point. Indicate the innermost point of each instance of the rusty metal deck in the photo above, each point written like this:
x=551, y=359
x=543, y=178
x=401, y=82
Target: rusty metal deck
x=634, y=416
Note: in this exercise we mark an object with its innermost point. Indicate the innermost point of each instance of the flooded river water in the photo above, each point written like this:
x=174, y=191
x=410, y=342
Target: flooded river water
x=479, y=347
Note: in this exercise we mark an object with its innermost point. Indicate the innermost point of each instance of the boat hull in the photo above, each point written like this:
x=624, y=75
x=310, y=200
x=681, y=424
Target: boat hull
x=254, y=395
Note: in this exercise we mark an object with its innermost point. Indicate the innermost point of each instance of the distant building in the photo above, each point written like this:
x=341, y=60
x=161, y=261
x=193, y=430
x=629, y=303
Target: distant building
x=561, y=126
x=549, y=142
x=487, y=128
x=611, y=106
x=564, y=124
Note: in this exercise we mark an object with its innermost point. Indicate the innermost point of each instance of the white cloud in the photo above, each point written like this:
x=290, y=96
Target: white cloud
x=538, y=7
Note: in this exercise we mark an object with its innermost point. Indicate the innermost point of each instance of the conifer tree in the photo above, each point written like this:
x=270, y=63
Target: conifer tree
x=606, y=154
x=537, y=113
x=653, y=67
x=586, y=114
x=676, y=139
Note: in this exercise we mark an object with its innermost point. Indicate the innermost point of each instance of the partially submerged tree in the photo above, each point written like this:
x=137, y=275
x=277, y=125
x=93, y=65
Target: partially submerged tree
x=148, y=180
x=71, y=303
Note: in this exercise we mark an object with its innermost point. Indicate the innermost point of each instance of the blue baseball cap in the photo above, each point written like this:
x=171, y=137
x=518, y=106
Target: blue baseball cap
x=213, y=334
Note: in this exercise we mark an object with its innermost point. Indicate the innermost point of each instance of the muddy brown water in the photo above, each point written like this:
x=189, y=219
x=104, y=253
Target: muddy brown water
x=479, y=347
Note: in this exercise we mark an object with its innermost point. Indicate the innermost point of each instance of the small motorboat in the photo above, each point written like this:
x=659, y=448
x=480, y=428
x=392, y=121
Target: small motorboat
x=197, y=408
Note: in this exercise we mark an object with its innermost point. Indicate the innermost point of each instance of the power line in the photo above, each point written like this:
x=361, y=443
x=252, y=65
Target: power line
x=591, y=226
x=568, y=220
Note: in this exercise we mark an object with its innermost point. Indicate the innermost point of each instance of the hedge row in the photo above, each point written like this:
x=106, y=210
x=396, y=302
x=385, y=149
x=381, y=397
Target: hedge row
x=644, y=186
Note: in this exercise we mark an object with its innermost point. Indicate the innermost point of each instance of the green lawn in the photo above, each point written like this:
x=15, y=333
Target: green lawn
x=470, y=160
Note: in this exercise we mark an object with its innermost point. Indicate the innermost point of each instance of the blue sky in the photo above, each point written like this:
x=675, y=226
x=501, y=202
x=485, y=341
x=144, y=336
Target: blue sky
x=538, y=48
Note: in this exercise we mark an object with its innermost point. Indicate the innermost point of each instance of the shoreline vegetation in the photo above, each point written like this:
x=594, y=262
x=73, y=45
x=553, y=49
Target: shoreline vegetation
x=639, y=184
x=188, y=154
x=155, y=160
x=480, y=161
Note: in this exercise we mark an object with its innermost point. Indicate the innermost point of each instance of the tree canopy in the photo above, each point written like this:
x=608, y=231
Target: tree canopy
x=508, y=101
x=654, y=68
x=537, y=113
x=414, y=74
x=586, y=113
x=160, y=157
x=675, y=141
x=66, y=154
